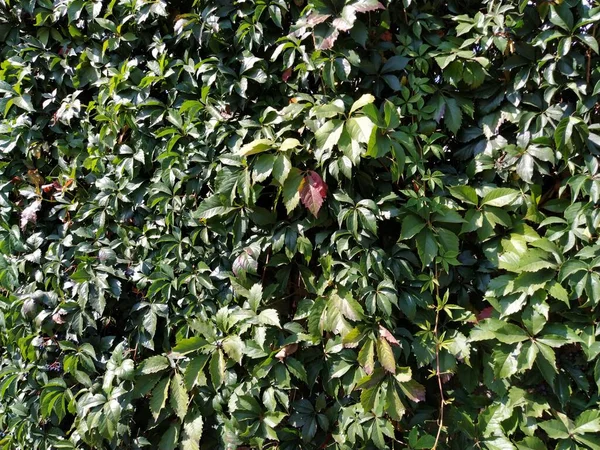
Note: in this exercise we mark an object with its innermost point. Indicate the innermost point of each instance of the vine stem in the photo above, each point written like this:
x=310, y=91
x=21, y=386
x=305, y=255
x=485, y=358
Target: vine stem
x=439, y=378
x=437, y=365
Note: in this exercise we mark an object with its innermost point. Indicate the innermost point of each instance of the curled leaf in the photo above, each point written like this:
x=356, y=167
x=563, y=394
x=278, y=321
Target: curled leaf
x=286, y=351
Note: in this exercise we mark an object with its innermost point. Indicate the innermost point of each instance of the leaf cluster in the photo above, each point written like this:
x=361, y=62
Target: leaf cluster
x=308, y=224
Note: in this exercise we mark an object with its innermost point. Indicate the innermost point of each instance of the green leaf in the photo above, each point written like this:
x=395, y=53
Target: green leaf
x=464, y=193
x=234, y=347
x=413, y=390
x=546, y=361
x=178, y=397
x=189, y=345
x=154, y=364
x=588, y=422
x=395, y=64
x=360, y=128
x=411, y=225
x=24, y=102
x=561, y=16
x=532, y=261
x=564, y=131
x=256, y=146
x=452, y=115
x=289, y=144
x=212, y=207
x=291, y=194
x=426, y=246
x=368, y=398
x=505, y=363
x=159, y=395
x=500, y=197
x=353, y=338
x=526, y=357
x=217, y=368
x=281, y=168
x=394, y=406
x=386, y=355
x=255, y=296
x=555, y=429
x=364, y=99
x=590, y=41
x=192, y=433
x=263, y=167
x=571, y=267
x=328, y=135
x=169, y=439
x=525, y=167
x=558, y=292
x=296, y=368
x=531, y=443
x=366, y=356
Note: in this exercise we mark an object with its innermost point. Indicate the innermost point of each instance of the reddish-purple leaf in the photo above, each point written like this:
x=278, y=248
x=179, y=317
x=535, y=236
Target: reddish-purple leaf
x=485, y=313
x=312, y=192
x=316, y=18
x=29, y=214
x=328, y=41
x=413, y=390
x=287, y=73
x=367, y=5
x=387, y=335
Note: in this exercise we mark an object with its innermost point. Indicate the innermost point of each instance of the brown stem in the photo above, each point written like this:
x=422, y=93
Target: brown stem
x=437, y=366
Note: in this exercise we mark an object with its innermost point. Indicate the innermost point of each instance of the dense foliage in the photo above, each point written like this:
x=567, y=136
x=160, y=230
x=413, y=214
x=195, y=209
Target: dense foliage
x=318, y=224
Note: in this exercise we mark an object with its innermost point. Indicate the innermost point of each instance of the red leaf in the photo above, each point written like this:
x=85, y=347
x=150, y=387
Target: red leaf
x=386, y=36
x=312, y=192
x=485, y=313
x=287, y=73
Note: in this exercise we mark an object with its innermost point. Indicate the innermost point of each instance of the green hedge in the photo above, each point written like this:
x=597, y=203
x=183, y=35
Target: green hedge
x=308, y=224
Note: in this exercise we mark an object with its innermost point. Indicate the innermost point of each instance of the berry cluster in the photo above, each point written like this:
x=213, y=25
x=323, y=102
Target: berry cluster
x=54, y=367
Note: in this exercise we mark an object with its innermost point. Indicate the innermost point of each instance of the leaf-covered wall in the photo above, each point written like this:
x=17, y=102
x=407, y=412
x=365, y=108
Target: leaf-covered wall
x=308, y=224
